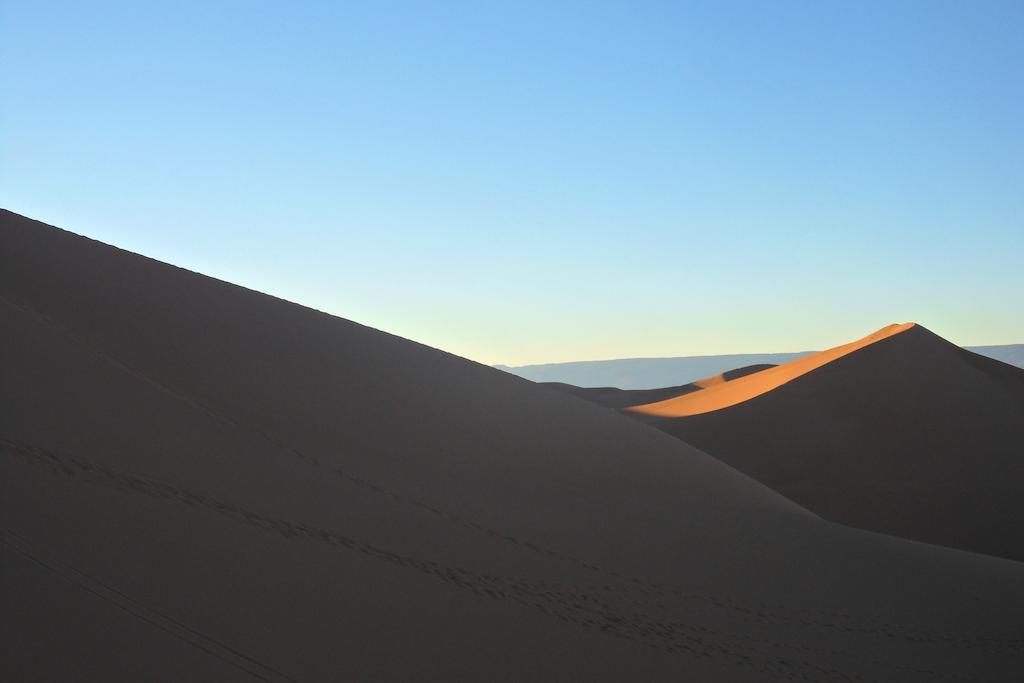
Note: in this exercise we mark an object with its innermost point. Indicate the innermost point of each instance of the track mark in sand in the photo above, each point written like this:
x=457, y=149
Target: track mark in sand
x=169, y=625
x=570, y=604
x=111, y=358
x=755, y=611
x=579, y=609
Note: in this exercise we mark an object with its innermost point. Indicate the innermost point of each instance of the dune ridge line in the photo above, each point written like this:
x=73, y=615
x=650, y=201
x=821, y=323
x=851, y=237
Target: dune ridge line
x=719, y=393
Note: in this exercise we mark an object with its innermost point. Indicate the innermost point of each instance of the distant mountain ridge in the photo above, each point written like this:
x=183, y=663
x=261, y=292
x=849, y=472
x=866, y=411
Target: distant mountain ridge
x=655, y=373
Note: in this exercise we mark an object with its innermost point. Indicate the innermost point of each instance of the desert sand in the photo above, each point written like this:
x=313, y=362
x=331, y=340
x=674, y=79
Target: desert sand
x=613, y=397
x=205, y=483
x=902, y=433
x=721, y=393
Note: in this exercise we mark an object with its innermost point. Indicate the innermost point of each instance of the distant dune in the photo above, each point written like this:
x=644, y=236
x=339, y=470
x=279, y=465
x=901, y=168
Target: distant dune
x=613, y=397
x=900, y=432
x=656, y=373
x=721, y=391
x=204, y=483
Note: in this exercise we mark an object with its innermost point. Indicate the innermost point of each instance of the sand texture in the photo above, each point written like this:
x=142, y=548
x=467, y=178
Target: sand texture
x=205, y=483
x=909, y=435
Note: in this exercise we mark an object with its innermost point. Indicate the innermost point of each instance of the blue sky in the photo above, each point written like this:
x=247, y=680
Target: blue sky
x=531, y=182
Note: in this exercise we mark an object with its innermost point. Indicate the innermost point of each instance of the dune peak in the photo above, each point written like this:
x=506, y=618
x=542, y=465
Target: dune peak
x=720, y=392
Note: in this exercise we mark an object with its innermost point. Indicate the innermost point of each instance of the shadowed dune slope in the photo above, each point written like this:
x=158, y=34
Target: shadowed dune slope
x=612, y=397
x=910, y=435
x=205, y=483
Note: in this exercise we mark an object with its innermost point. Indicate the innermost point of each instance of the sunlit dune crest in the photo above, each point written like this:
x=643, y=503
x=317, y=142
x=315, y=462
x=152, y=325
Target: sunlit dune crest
x=709, y=382
x=719, y=392
x=730, y=375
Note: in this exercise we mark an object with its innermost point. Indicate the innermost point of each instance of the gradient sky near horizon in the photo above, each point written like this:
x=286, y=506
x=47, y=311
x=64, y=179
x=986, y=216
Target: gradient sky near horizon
x=544, y=181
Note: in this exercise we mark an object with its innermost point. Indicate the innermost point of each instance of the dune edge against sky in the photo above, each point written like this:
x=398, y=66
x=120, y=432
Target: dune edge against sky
x=718, y=393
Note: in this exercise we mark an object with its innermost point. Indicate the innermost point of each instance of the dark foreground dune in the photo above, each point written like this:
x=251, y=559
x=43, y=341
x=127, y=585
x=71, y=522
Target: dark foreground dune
x=909, y=435
x=204, y=483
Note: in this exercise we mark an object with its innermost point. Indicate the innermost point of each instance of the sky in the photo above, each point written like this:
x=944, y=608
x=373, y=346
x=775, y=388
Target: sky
x=547, y=181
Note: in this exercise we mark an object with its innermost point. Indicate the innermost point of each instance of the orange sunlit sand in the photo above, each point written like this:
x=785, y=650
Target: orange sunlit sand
x=714, y=380
x=718, y=393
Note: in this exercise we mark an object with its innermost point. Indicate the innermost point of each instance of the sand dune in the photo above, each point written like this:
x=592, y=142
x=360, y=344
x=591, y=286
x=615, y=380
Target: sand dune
x=612, y=397
x=719, y=393
x=907, y=434
x=656, y=373
x=205, y=483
